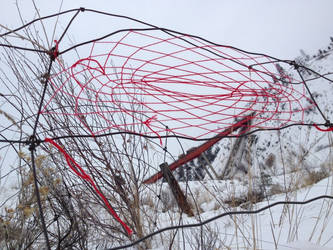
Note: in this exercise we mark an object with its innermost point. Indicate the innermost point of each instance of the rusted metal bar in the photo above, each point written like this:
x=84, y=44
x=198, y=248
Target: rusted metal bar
x=200, y=149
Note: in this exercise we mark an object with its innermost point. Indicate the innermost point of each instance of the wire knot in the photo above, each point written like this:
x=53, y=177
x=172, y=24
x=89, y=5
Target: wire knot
x=294, y=64
x=33, y=142
x=54, y=53
x=327, y=124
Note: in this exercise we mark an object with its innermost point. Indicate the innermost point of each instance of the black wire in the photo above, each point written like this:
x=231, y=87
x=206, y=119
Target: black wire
x=38, y=141
x=105, y=36
x=32, y=147
x=320, y=76
x=186, y=137
x=42, y=99
x=39, y=200
x=69, y=24
x=293, y=63
x=220, y=216
x=36, y=20
x=15, y=141
x=121, y=16
x=22, y=48
x=312, y=97
x=314, y=72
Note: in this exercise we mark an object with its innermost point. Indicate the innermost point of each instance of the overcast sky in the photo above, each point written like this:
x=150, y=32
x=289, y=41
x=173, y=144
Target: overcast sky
x=278, y=28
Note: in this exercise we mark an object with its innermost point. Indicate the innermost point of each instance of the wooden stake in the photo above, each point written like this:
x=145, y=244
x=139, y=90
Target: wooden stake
x=176, y=191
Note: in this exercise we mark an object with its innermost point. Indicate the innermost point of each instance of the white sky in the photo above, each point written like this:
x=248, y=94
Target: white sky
x=279, y=28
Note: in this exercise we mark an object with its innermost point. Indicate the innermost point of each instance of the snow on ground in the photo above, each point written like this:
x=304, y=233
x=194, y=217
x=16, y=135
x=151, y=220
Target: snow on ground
x=281, y=227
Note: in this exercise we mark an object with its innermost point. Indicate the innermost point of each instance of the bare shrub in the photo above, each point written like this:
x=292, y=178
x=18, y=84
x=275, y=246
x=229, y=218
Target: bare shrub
x=206, y=238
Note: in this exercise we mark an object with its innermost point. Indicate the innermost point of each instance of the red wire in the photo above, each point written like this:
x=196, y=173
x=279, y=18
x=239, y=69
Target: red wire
x=82, y=174
x=195, y=88
x=323, y=130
